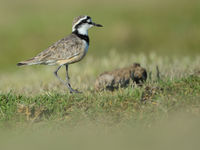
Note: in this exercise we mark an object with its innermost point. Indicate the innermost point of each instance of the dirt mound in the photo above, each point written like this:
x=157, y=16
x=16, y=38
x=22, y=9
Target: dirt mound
x=121, y=77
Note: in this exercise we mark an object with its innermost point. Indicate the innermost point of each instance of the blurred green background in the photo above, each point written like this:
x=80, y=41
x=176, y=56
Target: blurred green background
x=130, y=26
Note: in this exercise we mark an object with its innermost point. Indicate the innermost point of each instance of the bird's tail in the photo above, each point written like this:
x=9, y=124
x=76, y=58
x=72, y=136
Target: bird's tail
x=32, y=61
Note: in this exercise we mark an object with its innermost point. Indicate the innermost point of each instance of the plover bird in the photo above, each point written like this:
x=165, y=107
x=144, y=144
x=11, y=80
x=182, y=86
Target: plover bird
x=68, y=50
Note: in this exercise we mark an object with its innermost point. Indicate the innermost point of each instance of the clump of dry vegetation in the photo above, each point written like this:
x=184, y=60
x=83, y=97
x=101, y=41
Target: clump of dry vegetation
x=32, y=112
x=149, y=93
x=121, y=77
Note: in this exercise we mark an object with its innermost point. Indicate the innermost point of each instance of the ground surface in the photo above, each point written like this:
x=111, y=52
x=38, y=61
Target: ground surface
x=33, y=101
x=34, y=94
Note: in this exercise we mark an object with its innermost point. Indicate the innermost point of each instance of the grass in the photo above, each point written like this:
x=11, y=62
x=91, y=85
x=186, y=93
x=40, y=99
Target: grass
x=31, y=95
x=121, y=105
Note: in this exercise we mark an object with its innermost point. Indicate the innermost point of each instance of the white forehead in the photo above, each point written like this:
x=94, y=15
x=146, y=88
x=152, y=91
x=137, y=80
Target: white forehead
x=81, y=19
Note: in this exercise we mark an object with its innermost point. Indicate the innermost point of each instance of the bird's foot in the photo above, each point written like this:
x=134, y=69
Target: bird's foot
x=74, y=91
x=71, y=89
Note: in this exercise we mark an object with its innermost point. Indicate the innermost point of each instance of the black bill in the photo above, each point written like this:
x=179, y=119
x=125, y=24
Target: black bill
x=97, y=25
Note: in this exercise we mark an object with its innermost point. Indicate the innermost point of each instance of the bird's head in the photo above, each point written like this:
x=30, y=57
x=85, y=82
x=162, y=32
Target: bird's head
x=81, y=24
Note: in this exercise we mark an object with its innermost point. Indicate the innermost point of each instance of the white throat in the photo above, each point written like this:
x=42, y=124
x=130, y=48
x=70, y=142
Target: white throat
x=83, y=30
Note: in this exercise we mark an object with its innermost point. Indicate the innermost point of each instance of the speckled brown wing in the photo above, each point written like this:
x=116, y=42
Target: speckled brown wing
x=67, y=50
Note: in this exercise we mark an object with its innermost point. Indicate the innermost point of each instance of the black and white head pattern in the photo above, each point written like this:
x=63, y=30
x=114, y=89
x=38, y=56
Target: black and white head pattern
x=81, y=24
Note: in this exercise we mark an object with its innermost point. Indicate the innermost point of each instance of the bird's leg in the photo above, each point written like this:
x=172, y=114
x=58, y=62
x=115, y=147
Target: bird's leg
x=56, y=74
x=67, y=77
x=68, y=83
